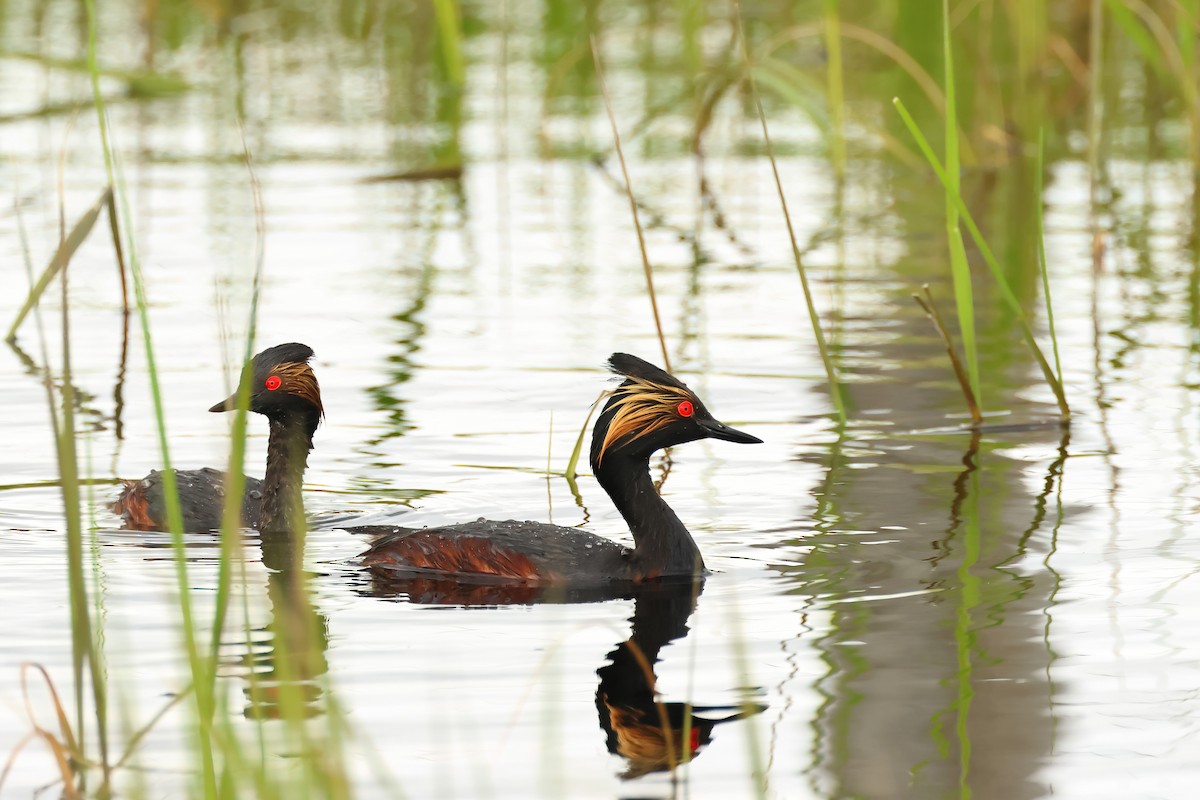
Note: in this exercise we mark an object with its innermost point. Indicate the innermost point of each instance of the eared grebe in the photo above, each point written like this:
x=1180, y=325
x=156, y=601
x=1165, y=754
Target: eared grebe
x=284, y=390
x=650, y=410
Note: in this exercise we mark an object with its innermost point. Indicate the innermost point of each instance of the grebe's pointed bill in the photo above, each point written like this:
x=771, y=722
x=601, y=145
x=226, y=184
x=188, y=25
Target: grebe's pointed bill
x=719, y=430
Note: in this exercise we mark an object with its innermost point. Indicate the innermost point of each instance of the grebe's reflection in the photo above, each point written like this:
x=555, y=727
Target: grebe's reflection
x=651, y=735
x=288, y=656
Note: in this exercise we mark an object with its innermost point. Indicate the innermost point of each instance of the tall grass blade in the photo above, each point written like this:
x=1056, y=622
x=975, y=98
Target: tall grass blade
x=960, y=270
x=837, y=102
x=549, y=448
x=115, y=230
x=1163, y=52
x=1043, y=266
x=1127, y=21
x=1095, y=99
x=196, y=662
x=573, y=462
x=1006, y=292
x=449, y=27
x=83, y=644
x=835, y=387
x=637, y=223
x=231, y=536
x=69, y=739
x=66, y=249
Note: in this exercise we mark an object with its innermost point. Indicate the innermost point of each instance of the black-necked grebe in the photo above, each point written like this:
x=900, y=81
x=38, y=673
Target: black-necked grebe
x=650, y=410
x=285, y=391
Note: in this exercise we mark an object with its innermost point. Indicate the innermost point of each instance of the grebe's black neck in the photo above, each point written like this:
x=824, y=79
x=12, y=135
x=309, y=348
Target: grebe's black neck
x=290, y=442
x=662, y=544
x=649, y=411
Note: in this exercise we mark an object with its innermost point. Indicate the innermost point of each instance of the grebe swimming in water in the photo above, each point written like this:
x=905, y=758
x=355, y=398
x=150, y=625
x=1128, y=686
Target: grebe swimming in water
x=284, y=390
x=650, y=410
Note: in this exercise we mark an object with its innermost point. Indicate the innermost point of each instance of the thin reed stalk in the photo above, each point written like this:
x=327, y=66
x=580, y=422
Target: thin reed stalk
x=960, y=270
x=930, y=308
x=66, y=249
x=1095, y=98
x=231, y=522
x=637, y=223
x=83, y=642
x=836, y=88
x=573, y=462
x=835, y=85
x=835, y=387
x=449, y=25
x=197, y=663
x=1043, y=266
x=1006, y=292
x=87, y=659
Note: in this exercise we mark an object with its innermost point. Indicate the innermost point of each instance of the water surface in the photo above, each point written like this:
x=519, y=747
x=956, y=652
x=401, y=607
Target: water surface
x=918, y=611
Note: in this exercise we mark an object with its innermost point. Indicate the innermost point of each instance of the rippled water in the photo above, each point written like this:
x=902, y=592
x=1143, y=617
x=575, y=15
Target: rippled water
x=919, y=612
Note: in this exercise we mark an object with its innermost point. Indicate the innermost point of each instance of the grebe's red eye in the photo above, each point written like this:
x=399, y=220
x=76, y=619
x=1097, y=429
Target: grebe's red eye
x=685, y=409
x=273, y=382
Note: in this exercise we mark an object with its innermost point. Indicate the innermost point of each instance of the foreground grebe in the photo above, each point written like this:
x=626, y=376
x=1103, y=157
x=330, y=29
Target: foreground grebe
x=284, y=390
x=650, y=410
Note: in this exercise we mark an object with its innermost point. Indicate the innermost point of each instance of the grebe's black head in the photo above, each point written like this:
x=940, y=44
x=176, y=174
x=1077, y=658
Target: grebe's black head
x=650, y=410
x=282, y=385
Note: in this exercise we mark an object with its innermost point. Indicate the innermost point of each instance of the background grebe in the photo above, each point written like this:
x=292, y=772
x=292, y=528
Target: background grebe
x=650, y=410
x=284, y=390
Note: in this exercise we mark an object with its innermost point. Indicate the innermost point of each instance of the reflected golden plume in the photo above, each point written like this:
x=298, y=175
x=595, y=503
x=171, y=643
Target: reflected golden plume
x=642, y=407
x=645, y=746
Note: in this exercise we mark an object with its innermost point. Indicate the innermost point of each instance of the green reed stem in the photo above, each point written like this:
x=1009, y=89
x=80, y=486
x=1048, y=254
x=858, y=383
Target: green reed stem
x=449, y=25
x=64, y=253
x=833, y=76
x=235, y=478
x=1161, y=49
x=930, y=308
x=573, y=463
x=960, y=270
x=1006, y=292
x=637, y=223
x=82, y=641
x=1095, y=96
x=835, y=387
x=204, y=699
x=1039, y=193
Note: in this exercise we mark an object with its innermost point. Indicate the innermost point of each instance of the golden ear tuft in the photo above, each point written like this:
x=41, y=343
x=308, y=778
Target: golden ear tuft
x=640, y=408
x=299, y=380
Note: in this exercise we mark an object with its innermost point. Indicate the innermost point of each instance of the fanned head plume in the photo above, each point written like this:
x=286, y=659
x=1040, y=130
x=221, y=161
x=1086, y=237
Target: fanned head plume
x=647, y=401
x=281, y=384
x=652, y=409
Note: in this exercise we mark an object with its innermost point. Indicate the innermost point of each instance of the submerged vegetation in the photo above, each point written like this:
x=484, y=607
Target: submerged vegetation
x=1007, y=93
